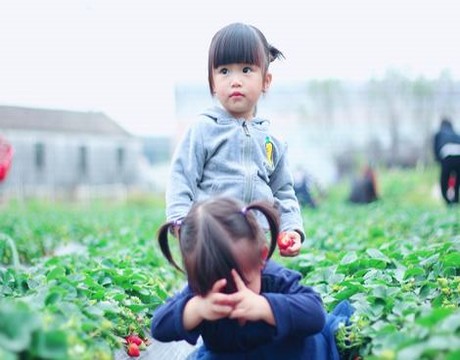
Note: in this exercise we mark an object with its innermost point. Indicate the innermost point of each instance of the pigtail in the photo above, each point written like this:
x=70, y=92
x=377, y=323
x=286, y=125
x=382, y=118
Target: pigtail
x=164, y=245
x=274, y=54
x=272, y=217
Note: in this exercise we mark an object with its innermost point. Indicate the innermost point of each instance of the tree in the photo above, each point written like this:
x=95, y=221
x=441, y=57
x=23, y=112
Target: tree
x=390, y=95
x=423, y=94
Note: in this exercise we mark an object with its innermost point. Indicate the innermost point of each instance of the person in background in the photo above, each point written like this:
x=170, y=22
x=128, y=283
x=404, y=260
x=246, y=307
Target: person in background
x=303, y=184
x=229, y=150
x=6, y=157
x=364, y=188
x=242, y=304
x=446, y=147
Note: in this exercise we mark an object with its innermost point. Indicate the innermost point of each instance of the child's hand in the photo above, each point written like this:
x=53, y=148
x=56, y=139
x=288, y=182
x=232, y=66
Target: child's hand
x=249, y=306
x=289, y=243
x=214, y=306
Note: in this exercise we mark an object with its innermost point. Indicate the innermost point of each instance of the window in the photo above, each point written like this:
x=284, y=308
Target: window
x=120, y=158
x=83, y=160
x=39, y=156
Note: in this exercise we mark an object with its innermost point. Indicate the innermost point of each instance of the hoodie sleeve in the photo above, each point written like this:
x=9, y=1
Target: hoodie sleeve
x=298, y=309
x=186, y=171
x=167, y=324
x=282, y=185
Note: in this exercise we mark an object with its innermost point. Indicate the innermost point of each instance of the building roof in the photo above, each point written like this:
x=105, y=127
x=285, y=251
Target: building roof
x=23, y=118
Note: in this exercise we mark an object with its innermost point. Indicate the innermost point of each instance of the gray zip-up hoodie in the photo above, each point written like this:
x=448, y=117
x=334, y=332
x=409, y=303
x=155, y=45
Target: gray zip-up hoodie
x=221, y=155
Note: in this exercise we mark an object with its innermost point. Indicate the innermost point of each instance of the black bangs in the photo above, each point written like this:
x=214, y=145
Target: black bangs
x=239, y=45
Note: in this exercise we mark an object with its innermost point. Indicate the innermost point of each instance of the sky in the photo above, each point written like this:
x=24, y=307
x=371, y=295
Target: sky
x=124, y=57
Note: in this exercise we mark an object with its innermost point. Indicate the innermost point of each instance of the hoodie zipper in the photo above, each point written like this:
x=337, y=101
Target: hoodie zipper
x=245, y=128
x=247, y=154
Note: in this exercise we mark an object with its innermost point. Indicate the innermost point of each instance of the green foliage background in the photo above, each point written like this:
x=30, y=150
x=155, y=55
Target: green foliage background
x=397, y=260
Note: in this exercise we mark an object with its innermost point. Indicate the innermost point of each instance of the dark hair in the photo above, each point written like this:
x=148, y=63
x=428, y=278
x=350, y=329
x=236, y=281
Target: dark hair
x=240, y=43
x=446, y=123
x=207, y=239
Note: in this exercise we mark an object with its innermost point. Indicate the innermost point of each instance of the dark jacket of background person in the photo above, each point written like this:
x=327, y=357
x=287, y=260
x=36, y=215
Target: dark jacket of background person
x=446, y=146
x=446, y=141
x=302, y=187
x=364, y=188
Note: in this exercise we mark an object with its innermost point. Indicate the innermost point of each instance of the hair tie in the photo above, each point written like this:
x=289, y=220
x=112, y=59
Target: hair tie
x=174, y=228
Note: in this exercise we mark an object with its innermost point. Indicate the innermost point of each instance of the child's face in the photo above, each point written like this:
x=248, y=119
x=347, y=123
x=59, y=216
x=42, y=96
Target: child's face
x=253, y=277
x=238, y=88
x=251, y=261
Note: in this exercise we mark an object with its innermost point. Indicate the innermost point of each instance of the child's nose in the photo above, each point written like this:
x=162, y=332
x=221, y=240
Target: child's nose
x=235, y=80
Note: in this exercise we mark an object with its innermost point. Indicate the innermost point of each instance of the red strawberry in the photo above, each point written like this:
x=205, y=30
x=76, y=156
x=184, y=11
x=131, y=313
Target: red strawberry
x=133, y=350
x=134, y=339
x=285, y=240
x=451, y=181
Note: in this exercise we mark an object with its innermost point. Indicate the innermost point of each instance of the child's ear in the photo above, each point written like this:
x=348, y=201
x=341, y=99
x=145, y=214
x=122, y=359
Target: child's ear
x=264, y=254
x=267, y=82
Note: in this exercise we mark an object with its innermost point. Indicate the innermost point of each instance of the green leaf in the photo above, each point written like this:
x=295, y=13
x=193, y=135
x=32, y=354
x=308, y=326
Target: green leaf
x=435, y=316
x=106, y=281
x=378, y=255
x=453, y=355
x=349, y=258
x=452, y=259
x=50, y=344
x=450, y=323
x=17, y=322
x=435, y=344
x=415, y=271
x=384, y=292
x=7, y=355
x=346, y=293
x=52, y=298
x=57, y=272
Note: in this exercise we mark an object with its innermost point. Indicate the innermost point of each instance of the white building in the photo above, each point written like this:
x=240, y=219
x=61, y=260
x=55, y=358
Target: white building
x=59, y=152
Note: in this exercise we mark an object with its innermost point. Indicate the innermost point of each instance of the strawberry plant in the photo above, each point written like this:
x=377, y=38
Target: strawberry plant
x=399, y=265
x=81, y=305
x=77, y=280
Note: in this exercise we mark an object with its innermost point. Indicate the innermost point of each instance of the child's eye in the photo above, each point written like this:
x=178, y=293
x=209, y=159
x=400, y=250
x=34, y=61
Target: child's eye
x=247, y=69
x=223, y=71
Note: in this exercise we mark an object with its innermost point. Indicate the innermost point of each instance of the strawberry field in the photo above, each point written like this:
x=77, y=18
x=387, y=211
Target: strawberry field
x=75, y=280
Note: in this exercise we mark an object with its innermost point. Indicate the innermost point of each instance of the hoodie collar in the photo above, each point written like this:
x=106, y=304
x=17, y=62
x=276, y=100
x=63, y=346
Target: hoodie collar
x=220, y=116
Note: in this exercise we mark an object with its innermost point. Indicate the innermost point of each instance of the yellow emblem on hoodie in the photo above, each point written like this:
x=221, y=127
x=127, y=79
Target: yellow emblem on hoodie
x=269, y=150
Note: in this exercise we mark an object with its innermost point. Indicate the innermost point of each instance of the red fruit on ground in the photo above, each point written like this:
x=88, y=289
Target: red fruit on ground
x=133, y=350
x=134, y=339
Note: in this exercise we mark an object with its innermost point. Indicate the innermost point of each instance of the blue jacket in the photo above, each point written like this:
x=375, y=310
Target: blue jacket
x=300, y=320
x=221, y=155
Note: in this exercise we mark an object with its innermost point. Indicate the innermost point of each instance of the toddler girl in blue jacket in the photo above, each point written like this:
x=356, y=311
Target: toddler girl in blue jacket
x=243, y=305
